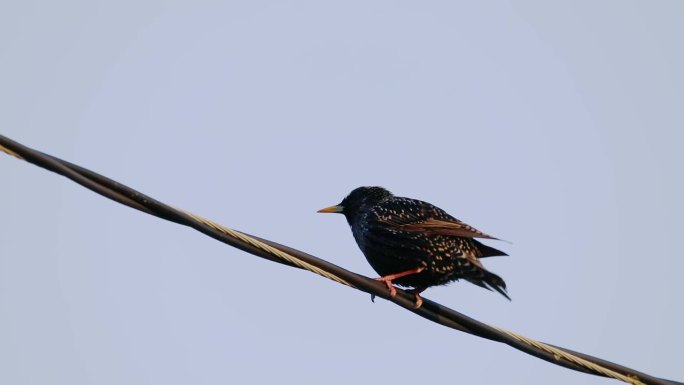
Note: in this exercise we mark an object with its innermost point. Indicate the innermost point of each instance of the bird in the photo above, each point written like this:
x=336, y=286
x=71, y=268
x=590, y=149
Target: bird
x=415, y=244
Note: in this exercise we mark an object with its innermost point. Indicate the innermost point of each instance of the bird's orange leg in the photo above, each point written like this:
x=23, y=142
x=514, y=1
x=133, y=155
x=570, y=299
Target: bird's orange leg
x=389, y=278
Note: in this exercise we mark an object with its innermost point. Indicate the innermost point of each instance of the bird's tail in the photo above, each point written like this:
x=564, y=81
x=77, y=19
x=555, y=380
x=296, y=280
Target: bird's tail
x=486, y=251
x=490, y=281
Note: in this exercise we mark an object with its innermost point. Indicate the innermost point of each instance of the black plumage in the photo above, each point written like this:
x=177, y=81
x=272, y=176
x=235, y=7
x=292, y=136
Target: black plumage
x=414, y=243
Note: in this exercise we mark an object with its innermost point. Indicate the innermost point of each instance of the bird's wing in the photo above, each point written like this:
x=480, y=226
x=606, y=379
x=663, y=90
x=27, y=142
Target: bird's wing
x=424, y=217
x=453, y=227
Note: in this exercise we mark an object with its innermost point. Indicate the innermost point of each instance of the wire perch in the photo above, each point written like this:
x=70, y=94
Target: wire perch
x=295, y=258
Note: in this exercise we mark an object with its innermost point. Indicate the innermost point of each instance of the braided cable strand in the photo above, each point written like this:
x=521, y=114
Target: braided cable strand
x=269, y=249
x=560, y=354
x=10, y=152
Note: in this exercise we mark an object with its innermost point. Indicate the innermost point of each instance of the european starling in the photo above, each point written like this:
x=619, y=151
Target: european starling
x=415, y=244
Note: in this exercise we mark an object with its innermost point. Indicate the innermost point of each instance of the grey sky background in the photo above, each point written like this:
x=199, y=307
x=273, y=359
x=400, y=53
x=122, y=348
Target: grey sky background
x=555, y=125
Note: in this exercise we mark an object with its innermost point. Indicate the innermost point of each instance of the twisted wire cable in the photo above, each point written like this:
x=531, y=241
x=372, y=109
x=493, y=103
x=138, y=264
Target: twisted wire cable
x=295, y=258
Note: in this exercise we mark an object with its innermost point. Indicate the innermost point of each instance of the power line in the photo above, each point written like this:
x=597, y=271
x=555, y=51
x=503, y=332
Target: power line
x=282, y=254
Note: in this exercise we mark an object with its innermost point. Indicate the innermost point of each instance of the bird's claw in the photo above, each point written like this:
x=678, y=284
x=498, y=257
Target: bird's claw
x=393, y=292
x=419, y=301
x=388, y=283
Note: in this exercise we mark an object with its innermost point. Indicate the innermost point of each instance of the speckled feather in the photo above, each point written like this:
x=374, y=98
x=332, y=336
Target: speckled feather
x=398, y=234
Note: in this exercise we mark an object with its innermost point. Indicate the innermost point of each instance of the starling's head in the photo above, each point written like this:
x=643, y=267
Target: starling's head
x=360, y=199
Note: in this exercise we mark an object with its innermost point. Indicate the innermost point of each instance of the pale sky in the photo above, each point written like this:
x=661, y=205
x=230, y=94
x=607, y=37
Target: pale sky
x=555, y=125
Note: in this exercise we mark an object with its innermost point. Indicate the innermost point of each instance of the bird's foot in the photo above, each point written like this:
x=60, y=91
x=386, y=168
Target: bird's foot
x=388, y=282
x=419, y=299
x=393, y=291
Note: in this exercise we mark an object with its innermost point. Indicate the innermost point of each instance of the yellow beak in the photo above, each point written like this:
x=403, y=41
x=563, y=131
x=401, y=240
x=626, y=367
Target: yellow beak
x=332, y=209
